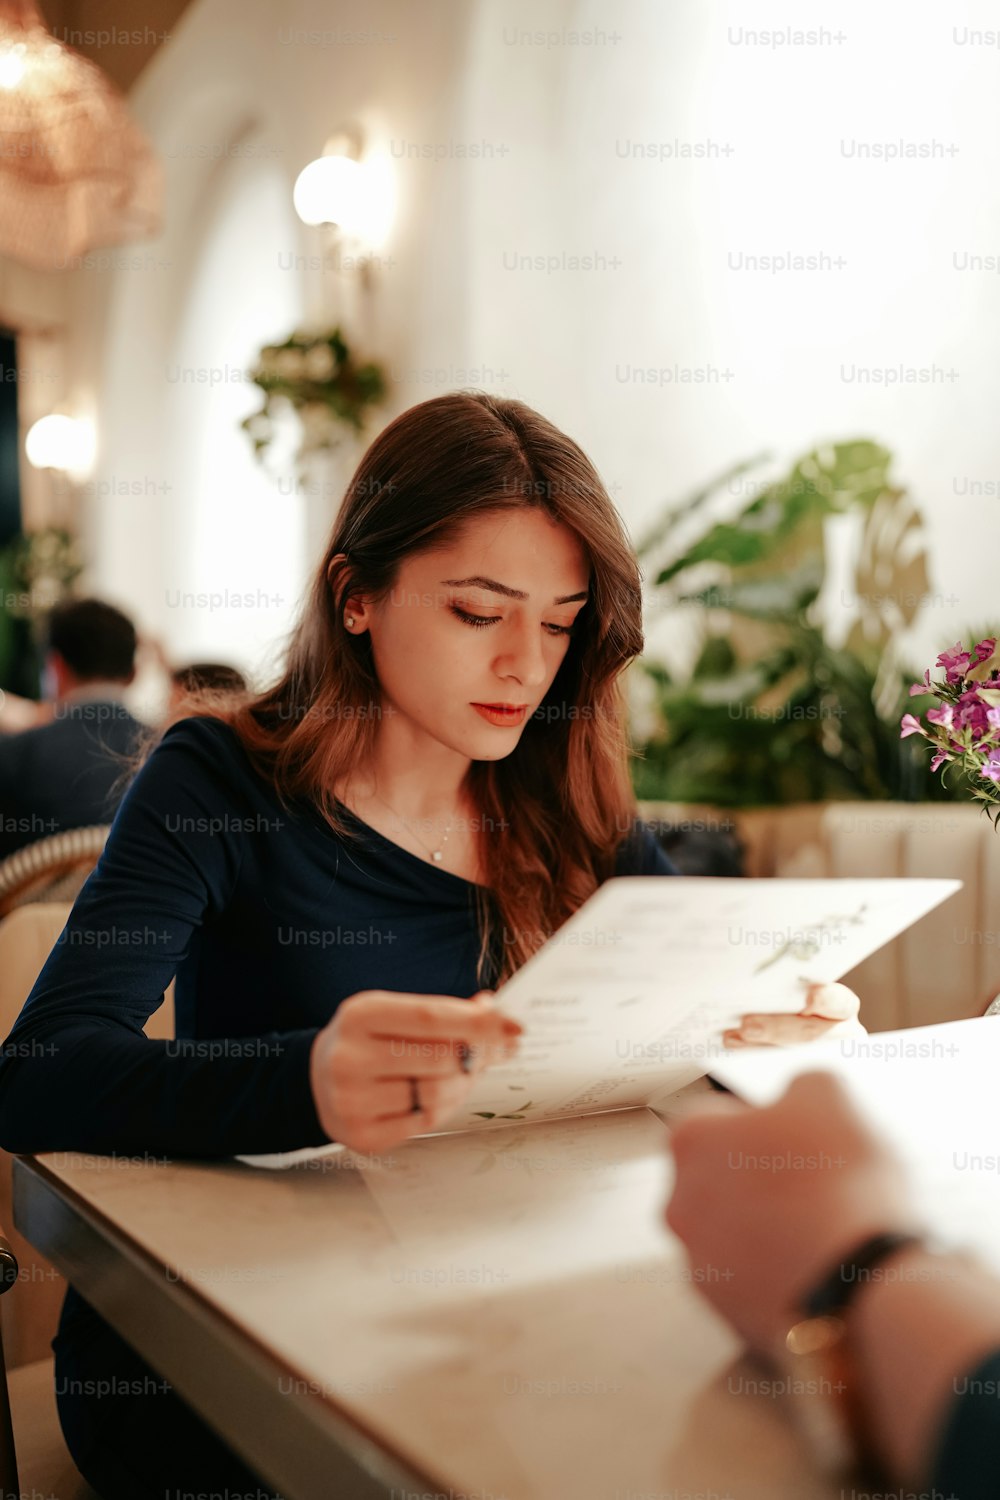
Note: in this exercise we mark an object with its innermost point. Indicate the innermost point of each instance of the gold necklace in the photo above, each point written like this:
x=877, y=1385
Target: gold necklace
x=435, y=854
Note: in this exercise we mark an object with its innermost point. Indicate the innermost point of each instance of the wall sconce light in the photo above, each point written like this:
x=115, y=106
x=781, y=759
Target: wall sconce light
x=328, y=190
x=344, y=192
x=66, y=444
x=64, y=449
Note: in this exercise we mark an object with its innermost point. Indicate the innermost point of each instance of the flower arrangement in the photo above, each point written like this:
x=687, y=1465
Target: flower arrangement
x=965, y=729
x=318, y=376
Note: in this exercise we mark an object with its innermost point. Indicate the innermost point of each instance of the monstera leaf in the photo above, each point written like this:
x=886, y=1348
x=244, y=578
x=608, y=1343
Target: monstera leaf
x=834, y=478
x=846, y=474
x=891, y=581
x=772, y=713
x=675, y=515
x=766, y=596
x=770, y=519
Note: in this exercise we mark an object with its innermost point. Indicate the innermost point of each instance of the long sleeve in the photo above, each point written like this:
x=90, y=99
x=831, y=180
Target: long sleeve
x=968, y=1460
x=76, y=1071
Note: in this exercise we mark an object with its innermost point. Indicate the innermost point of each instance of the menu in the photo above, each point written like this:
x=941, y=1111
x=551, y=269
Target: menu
x=930, y=1092
x=629, y=999
x=627, y=1002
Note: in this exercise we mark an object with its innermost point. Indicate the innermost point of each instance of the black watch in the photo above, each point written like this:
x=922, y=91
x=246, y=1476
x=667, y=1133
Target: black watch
x=836, y=1289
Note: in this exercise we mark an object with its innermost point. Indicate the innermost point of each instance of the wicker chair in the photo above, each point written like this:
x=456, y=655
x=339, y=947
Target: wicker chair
x=53, y=869
x=30, y=1313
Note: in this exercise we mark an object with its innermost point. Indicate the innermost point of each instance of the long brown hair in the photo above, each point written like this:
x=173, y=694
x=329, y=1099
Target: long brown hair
x=563, y=797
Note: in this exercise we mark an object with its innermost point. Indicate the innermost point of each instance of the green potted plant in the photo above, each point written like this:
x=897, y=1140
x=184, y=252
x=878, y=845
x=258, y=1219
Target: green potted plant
x=771, y=712
x=37, y=570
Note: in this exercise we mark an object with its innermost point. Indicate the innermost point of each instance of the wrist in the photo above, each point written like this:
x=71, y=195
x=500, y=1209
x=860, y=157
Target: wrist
x=915, y=1336
x=865, y=1261
x=909, y=1327
x=831, y=1266
x=820, y=1336
x=914, y=1263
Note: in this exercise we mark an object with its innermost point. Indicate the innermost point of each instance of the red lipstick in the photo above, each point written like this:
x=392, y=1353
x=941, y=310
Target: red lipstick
x=501, y=714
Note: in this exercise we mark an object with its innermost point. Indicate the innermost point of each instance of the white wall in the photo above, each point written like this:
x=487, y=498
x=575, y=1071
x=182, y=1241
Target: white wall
x=555, y=123
x=210, y=551
x=774, y=177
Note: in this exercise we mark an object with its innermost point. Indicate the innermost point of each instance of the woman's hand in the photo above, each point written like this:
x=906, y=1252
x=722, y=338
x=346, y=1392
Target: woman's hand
x=361, y=1063
x=767, y=1200
x=830, y=1010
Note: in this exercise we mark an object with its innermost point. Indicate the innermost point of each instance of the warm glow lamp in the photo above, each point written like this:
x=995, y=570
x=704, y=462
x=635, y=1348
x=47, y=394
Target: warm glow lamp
x=328, y=191
x=352, y=196
x=75, y=171
x=66, y=444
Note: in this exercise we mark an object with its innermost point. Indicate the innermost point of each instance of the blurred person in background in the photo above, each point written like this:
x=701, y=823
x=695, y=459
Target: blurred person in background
x=833, y=1259
x=61, y=773
x=17, y=713
x=188, y=684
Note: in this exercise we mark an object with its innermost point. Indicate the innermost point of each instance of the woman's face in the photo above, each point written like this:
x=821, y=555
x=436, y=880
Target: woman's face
x=434, y=661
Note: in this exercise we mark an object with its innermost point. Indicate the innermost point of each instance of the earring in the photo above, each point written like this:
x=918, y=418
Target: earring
x=350, y=620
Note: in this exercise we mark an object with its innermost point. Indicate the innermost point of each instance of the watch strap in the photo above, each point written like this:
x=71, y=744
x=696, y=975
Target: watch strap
x=831, y=1295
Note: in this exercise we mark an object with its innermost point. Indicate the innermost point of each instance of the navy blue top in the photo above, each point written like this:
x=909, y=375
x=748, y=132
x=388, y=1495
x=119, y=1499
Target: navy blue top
x=62, y=774
x=268, y=920
x=968, y=1458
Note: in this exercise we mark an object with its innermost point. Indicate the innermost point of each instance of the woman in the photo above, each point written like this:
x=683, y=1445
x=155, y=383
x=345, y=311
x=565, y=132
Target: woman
x=343, y=866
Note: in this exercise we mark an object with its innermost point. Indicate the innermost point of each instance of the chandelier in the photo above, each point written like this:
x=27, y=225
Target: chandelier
x=75, y=172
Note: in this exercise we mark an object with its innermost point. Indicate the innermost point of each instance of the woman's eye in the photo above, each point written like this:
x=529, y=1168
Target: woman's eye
x=480, y=622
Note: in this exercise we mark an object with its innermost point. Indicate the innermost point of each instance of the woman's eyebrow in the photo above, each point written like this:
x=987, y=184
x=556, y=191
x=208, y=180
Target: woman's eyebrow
x=501, y=588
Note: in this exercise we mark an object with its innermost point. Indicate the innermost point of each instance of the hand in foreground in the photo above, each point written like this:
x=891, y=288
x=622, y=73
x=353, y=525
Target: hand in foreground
x=767, y=1200
x=361, y=1063
x=830, y=1010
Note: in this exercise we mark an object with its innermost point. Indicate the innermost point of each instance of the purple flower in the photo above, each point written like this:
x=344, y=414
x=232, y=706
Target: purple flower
x=971, y=714
x=956, y=662
x=945, y=715
x=910, y=725
x=993, y=717
x=938, y=757
x=991, y=766
x=922, y=687
x=985, y=648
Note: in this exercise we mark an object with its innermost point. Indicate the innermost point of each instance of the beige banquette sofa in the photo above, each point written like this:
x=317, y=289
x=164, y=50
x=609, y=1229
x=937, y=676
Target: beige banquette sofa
x=945, y=968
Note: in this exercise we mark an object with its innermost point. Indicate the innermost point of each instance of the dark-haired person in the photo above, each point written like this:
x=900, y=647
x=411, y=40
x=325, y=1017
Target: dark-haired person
x=189, y=686
x=444, y=767
x=911, y=1336
x=61, y=774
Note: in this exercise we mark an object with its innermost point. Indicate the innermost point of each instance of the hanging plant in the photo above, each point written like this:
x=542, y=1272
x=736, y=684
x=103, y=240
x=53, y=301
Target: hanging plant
x=317, y=376
x=38, y=569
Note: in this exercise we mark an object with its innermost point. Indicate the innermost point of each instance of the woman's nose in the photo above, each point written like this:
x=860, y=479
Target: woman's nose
x=524, y=655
